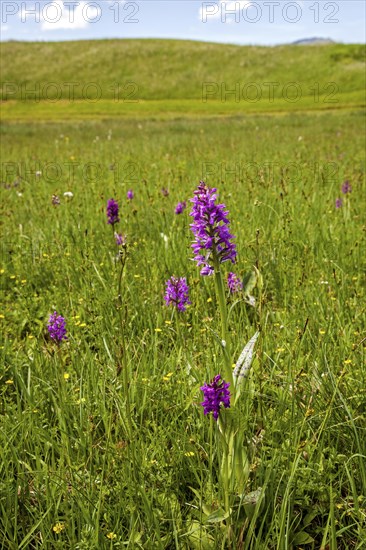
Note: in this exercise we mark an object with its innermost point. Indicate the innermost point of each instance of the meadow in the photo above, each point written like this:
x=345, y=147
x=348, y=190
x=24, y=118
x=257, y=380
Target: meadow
x=104, y=441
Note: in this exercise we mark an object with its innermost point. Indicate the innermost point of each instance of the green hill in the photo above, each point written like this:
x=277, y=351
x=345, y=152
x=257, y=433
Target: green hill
x=133, y=71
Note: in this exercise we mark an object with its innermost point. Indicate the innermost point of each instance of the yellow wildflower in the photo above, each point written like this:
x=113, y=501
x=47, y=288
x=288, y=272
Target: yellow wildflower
x=58, y=527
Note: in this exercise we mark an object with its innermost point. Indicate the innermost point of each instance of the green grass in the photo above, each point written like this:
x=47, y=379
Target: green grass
x=134, y=78
x=176, y=69
x=167, y=109
x=104, y=443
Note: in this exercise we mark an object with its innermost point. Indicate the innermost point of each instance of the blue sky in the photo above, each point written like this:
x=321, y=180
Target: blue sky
x=263, y=22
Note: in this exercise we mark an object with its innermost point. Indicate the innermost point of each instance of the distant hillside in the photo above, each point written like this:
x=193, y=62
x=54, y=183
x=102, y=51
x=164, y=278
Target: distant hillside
x=313, y=41
x=171, y=69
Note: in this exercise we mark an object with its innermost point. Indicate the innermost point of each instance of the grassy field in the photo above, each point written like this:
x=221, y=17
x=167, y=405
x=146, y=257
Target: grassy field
x=173, y=69
x=104, y=442
x=170, y=78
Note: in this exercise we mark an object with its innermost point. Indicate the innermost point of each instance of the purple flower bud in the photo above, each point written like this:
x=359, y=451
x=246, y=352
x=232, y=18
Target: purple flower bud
x=338, y=203
x=176, y=293
x=215, y=393
x=120, y=239
x=211, y=230
x=56, y=328
x=181, y=206
x=234, y=283
x=346, y=187
x=165, y=192
x=130, y=194
x=112, y=212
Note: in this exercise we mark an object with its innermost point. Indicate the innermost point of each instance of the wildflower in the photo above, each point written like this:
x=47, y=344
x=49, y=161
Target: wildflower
x=181, y=206
x=55, y=200
x=130, y=194
x=211, y=230
x=234, y=283
x=215, y=393
x=346, y=187
x=165, y=192
x=177, y=293
x=58, y=527
x=120, y=239
x=111, y=536
x=68, y=194
x=338, y=203
x=112, y=212
x=56, y=327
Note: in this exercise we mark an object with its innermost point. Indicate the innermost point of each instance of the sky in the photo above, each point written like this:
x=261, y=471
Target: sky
x=259, y=22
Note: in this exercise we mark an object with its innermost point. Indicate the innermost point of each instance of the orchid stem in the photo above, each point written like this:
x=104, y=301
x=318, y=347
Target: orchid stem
x=224, y=328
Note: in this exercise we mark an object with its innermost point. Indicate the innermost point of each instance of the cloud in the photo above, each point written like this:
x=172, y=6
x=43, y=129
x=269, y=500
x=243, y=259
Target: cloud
x=56, y=15
x=77, y=17
x=222, y=9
